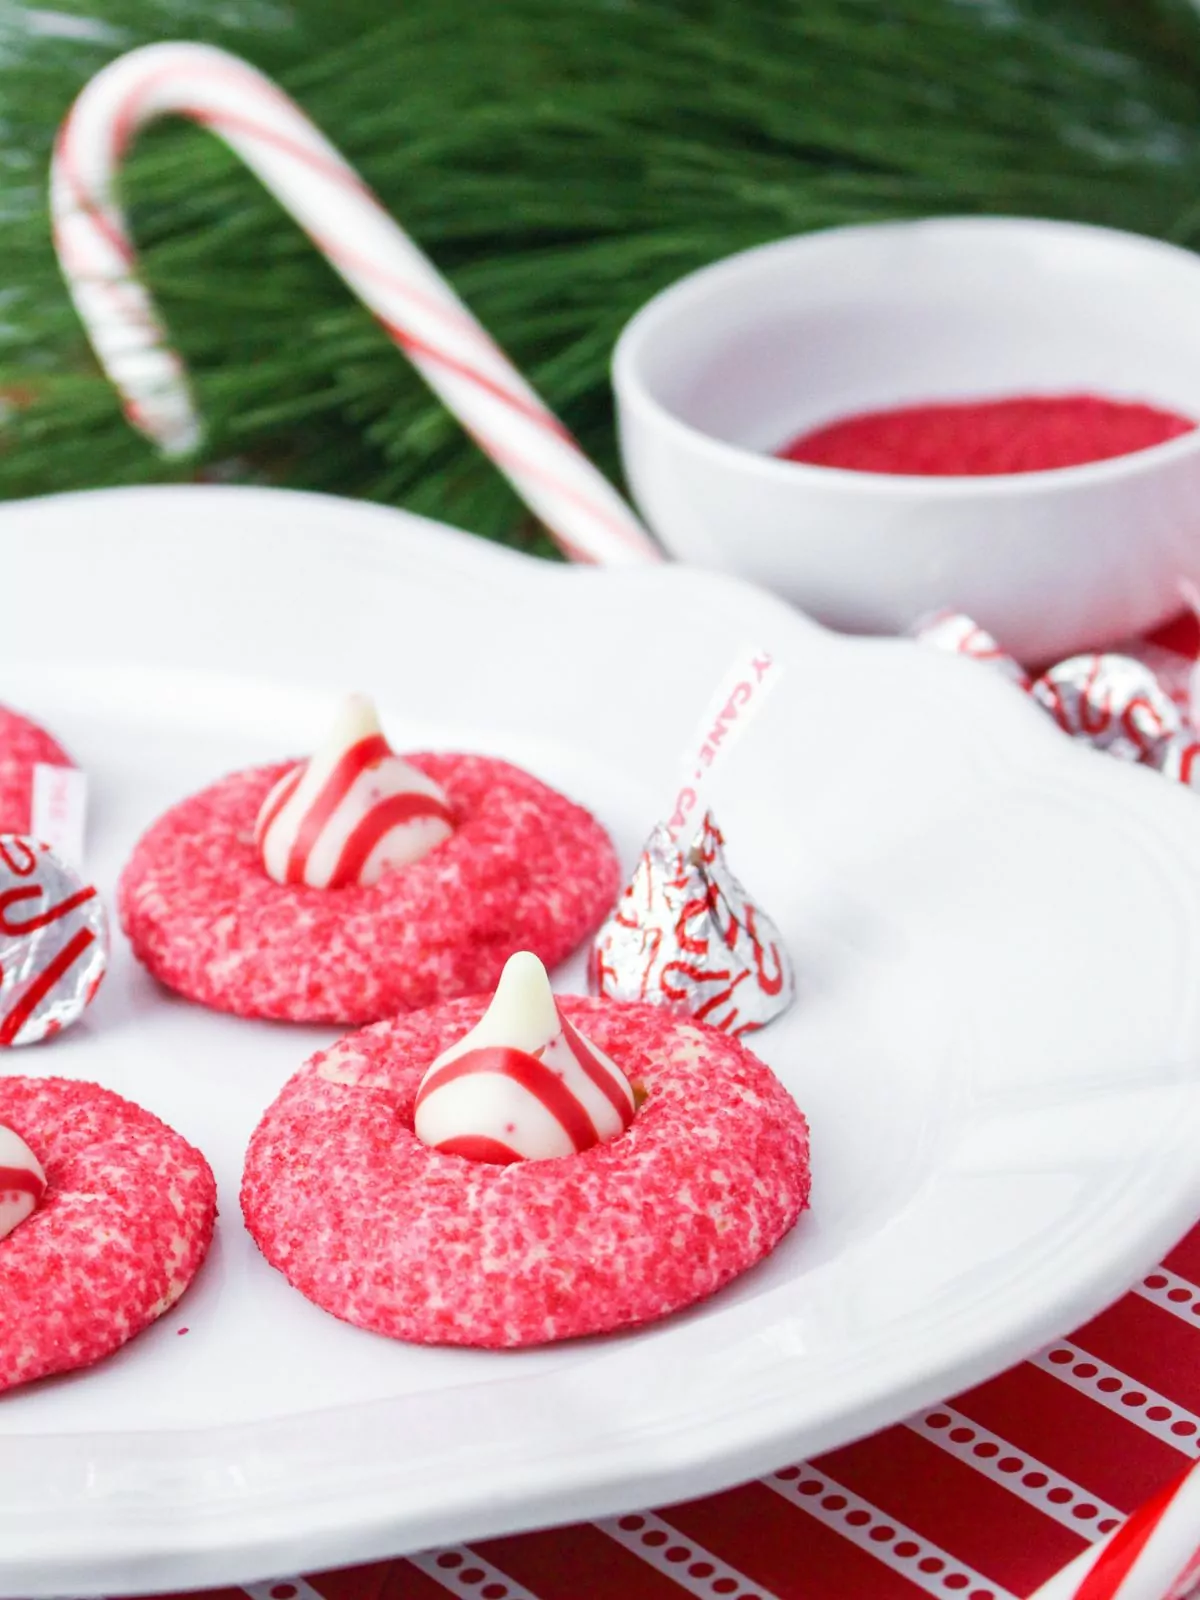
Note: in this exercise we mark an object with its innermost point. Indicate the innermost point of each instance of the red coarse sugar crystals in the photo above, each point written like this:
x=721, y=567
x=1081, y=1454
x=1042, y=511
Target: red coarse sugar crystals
x=1029, y=433
x=525, y=868
x=126, y=1220
x=382, y=1231
x=23, y=745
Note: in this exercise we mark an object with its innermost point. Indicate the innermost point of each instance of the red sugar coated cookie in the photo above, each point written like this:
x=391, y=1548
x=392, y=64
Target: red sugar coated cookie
x=126, y=1221
x=380, y=1230
x=524, y=869
x=22, y=746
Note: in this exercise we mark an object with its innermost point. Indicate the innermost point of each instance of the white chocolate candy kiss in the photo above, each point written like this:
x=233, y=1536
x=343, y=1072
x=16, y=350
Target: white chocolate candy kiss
x=523, y=1085
x=352, y=812
x=22, y=1181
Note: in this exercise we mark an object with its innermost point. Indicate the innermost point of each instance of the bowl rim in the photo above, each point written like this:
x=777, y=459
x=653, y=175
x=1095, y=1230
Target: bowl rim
x=633, y=395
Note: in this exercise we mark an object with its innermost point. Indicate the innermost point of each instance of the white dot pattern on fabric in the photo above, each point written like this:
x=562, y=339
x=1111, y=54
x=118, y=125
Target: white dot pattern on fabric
x=461, y=1570
x=1170, y=1292
x=922, y=1562
x=681, y=1559
x=1017, y=1471
x=1118, y=1392
x=282, y=1589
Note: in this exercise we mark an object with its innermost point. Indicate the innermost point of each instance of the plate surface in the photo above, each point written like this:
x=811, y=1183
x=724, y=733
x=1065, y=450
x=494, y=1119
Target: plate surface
x=997, y=1041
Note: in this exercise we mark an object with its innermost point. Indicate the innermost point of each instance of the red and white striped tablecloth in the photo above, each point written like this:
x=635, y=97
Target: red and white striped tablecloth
x=981, y=1498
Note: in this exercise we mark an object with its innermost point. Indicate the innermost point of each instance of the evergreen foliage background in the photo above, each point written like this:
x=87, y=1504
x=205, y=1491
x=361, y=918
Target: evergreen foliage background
x=560, y=160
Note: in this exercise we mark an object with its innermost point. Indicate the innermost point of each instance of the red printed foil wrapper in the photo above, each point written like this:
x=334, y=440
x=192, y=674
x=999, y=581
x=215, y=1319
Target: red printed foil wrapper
x=1181, y=760
x=53, y=942
x=685, y=934
x=1113, y=702
x=961, y=636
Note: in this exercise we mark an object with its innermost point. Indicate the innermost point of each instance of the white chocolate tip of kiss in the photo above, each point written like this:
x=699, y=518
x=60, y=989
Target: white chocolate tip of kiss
x=17, y=1205
x=486, y=1098
x=356, y=719
x=355, y=794
x=522, y=1014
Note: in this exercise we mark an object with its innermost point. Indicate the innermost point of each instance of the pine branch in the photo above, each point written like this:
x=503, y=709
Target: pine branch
x=560, y=163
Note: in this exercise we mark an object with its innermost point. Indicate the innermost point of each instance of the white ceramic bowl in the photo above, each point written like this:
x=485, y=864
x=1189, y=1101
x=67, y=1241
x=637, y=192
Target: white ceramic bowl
x=728, y=364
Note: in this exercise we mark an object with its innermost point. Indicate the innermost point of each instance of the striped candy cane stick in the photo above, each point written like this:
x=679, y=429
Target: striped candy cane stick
x=414, y=304
x=1154, y=1555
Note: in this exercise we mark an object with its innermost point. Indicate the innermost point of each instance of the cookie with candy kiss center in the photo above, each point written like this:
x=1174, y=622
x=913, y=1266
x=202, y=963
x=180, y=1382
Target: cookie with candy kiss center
x=352, y=812
x=523, y=1084
x=22, y=1181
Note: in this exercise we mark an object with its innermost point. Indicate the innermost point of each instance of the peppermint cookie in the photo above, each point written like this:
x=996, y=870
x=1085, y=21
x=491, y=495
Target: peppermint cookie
x=360, y=884
x=23, y=745
x=533, y=1171
x=105, y=1216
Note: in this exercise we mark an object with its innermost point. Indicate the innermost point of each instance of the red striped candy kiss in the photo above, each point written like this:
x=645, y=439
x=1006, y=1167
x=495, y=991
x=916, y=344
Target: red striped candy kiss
x=1114, y=702
x=685, y=934
x=352, y=812
x=523, y=1084
x=960, y=635
x=53, y=942
x=1181, y=759
x=22, y=1181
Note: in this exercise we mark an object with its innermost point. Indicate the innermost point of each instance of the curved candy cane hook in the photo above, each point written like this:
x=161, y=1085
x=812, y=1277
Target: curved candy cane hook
x=413, y=303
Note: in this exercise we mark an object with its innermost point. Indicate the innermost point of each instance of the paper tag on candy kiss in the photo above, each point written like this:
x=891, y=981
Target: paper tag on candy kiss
x=59, y=810
x=741, y=696
x=685, y=934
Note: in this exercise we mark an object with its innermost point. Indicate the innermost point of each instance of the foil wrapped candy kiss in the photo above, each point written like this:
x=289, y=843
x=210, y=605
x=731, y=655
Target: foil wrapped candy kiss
x=685, y=934
x=1113, y=702
x=53, y=942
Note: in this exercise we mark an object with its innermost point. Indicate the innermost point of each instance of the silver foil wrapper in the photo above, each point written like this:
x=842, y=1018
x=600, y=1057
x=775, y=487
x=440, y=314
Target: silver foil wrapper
x=1181, y=759
x=53, y=942
x=685, y=934
x=1113, y=702
x=961, y=636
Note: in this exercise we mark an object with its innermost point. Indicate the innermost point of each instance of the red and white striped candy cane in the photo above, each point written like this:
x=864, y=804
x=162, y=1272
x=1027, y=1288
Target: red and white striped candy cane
x=414, y=304
x=1154, y=1555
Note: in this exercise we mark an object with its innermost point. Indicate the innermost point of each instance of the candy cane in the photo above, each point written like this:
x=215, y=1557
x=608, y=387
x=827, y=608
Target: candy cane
x=1154, y=1555
x=413, y=303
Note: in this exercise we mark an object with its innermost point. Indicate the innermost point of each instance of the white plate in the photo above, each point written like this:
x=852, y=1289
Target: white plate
x=998, y=936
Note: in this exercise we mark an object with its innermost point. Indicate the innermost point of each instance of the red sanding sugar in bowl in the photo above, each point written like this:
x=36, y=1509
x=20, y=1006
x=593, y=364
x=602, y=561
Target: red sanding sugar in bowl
x=978, y=438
